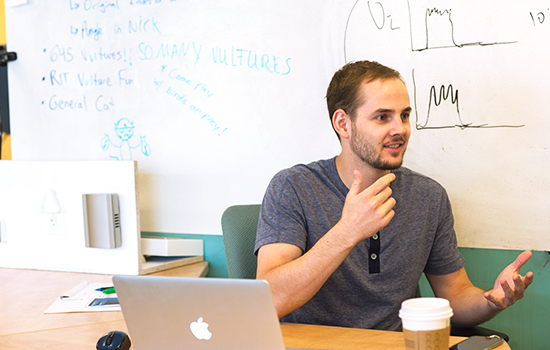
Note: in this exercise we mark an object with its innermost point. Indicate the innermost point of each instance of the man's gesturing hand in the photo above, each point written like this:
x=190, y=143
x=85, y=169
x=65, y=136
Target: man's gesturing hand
x=367, y=212
x=510, y=285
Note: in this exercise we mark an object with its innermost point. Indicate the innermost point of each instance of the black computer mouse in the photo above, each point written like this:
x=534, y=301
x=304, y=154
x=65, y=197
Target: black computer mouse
x=114, y=340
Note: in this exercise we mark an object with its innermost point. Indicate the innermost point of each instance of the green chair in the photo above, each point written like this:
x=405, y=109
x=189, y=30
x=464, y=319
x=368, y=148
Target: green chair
x=239, y=225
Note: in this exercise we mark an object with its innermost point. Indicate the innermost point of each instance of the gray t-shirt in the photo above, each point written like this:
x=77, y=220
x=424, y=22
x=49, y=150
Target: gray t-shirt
x=302, y=203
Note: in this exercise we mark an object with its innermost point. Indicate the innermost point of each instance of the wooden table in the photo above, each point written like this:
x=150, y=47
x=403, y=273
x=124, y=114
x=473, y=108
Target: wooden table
x=339, y=338
x=26, y=294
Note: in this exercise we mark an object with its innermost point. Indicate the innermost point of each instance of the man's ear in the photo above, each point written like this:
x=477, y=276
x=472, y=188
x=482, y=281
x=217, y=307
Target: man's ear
x=341, y=123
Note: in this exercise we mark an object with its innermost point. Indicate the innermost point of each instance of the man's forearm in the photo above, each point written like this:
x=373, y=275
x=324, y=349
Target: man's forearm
x=472, y=308
x=296, y=281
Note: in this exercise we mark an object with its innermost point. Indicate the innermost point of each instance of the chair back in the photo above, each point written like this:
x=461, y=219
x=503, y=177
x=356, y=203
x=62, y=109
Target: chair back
x=239, y=225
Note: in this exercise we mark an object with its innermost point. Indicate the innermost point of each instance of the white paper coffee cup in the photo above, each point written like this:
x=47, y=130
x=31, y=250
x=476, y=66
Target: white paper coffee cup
x=426, y=323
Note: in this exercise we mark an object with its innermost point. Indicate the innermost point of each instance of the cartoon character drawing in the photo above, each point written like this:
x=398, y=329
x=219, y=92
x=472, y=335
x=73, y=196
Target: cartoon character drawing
x=125, y=131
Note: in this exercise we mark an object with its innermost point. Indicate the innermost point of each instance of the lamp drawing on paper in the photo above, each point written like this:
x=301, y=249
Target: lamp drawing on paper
x=124, y=129
x=51, y=206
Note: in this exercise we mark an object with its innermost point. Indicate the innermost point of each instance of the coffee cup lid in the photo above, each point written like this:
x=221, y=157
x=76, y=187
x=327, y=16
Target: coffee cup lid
x=426, y=308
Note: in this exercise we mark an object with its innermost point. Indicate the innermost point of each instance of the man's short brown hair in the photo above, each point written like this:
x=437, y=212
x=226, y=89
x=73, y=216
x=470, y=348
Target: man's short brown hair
x=343, y=90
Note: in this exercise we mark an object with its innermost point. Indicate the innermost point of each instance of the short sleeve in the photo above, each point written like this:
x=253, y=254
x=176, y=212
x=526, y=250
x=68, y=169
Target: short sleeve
x=444, y=256
x=281, y=216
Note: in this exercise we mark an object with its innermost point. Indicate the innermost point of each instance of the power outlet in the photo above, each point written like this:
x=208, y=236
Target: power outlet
x=53, y=224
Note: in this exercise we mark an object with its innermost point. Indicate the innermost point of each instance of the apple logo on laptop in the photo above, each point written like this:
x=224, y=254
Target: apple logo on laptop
x=200, y=329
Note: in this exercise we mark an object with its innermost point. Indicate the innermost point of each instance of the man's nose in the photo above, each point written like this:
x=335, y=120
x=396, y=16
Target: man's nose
x=398, y=127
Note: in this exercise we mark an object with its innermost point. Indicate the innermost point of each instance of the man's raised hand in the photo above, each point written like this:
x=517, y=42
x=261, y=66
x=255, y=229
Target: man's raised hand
x=367, y=212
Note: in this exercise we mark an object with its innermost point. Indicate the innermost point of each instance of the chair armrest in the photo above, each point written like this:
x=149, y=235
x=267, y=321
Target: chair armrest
x=477, y=330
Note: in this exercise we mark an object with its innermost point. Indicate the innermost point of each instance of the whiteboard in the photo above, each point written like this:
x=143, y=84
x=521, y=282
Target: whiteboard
x=211, y=98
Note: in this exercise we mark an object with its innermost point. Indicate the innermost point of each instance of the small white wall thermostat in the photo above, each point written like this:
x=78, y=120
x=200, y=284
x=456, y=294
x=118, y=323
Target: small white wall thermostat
x=101, y=220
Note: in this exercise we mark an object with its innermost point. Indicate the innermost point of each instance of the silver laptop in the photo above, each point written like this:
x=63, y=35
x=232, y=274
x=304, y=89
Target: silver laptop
x=198, y=313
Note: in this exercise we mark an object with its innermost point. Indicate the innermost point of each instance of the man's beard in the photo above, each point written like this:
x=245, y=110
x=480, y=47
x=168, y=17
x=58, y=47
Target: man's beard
x=367, y=153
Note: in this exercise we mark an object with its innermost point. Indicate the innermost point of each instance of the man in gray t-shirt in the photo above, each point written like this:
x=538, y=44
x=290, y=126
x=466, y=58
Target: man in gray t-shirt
x=344, y=241
x=293, y=213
